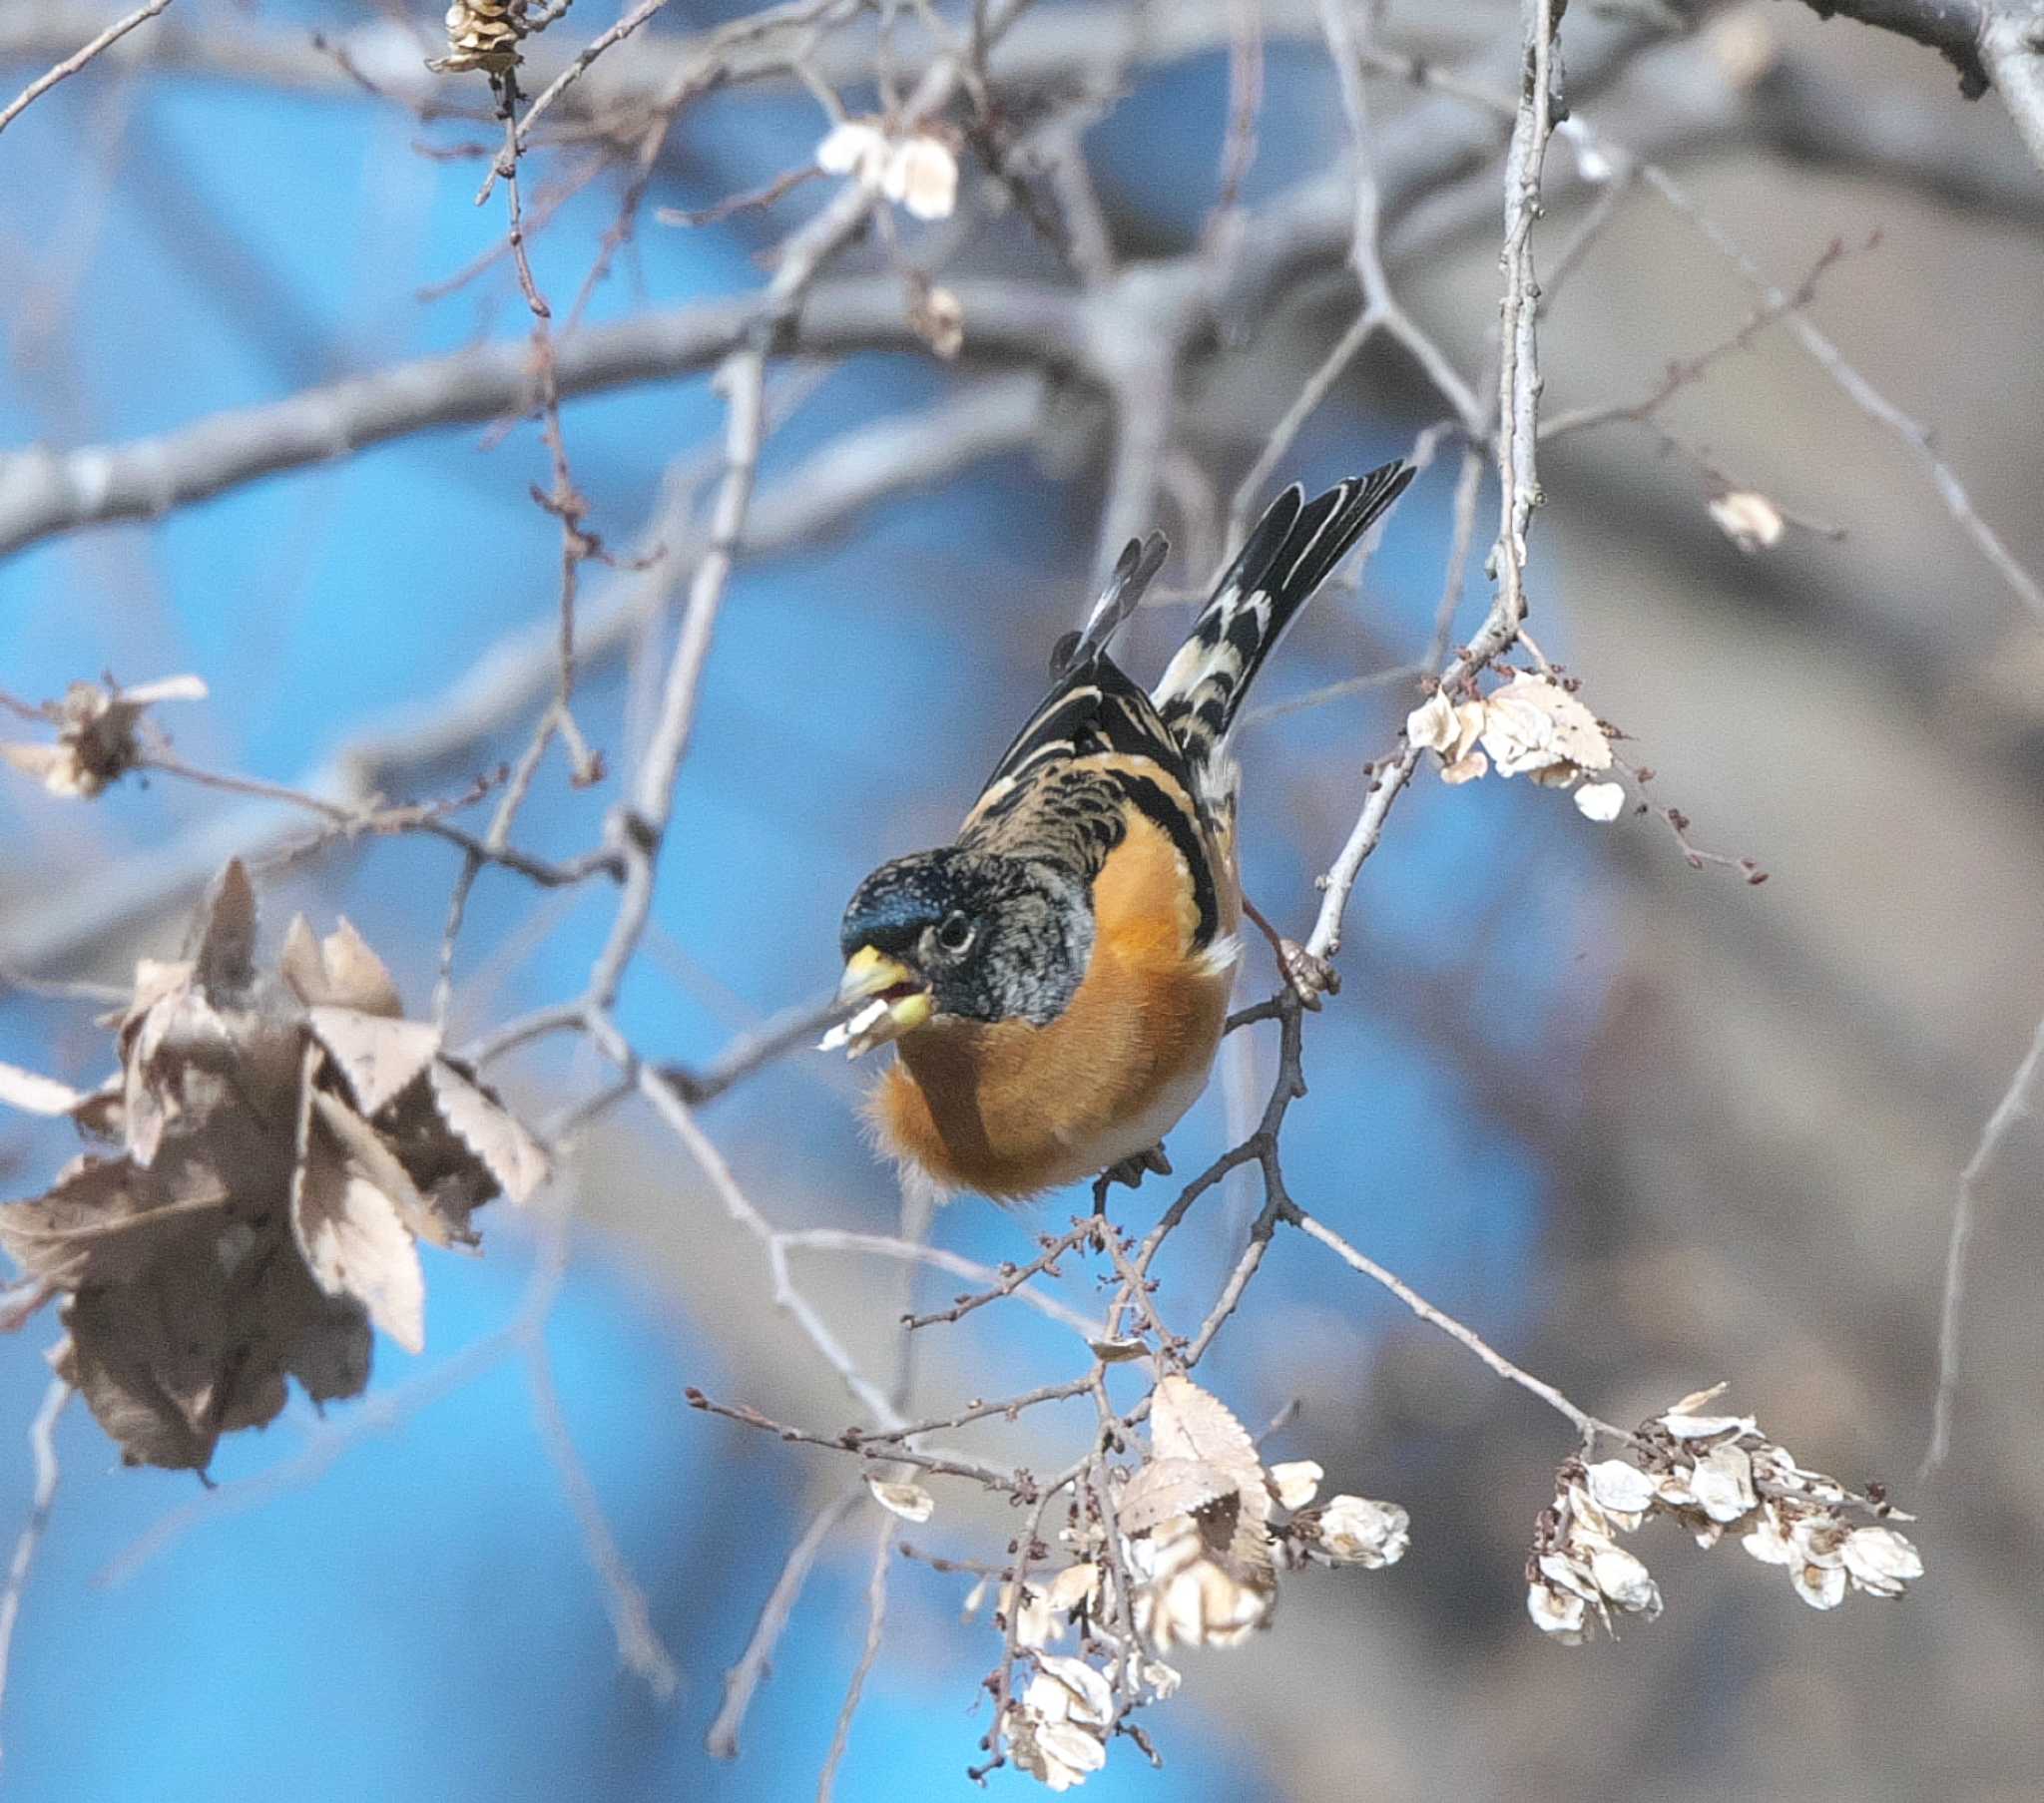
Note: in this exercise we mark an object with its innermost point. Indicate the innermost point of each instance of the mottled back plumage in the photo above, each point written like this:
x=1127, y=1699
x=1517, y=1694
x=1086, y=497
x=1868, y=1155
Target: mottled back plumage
x=1098, y=743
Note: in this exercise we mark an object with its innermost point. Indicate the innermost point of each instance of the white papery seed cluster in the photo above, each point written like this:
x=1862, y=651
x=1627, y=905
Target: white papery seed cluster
x=1716, y=1475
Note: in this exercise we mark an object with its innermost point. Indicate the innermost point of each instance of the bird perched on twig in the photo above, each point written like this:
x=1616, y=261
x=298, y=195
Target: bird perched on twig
x=1057, y=978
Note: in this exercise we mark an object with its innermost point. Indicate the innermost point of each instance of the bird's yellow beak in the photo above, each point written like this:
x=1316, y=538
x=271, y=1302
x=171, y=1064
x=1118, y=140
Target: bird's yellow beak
x=897, y=1002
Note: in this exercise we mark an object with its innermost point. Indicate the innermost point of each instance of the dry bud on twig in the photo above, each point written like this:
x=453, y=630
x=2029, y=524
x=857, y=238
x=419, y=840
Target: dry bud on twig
x=97, y=743
x=916, y=172
x=482, y=34
x=1751, y=521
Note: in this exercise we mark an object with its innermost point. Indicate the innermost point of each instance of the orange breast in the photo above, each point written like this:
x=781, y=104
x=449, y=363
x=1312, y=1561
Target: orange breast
x=1009, y=1110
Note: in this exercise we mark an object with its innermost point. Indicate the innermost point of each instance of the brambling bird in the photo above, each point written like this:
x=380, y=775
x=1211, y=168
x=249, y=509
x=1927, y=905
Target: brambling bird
x=1057, y=978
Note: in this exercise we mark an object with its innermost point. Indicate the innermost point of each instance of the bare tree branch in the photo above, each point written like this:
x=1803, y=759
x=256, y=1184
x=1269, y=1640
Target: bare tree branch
x=876, y=1621
x=1861, y=392
x=2015, y=1104
x=1991, y=45
x=71, y=64
x=743, y=1681
x=2012, y=47
x=1585, y=1423
x=42, y=1441
x=44, y=491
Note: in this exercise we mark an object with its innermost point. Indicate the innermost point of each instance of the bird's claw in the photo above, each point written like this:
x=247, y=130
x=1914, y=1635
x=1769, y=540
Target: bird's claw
x=1131, y=1171
x=1310, y=975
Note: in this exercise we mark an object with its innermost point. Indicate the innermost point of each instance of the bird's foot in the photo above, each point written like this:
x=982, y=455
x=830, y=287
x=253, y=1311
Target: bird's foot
x=1310, y=975
x=1131, y=1171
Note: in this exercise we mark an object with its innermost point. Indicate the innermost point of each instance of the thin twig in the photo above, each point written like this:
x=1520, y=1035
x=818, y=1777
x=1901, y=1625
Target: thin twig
x=2014, y=1106
x=743, y=1681
x=42, y=1442
x=1010, y=1278
x=1017, y=1484
x=1863, y=394
x=71, y=64
x=1686, y=371
x=881, y=1246
x=876, y=1621
x=639, y=1641
x=1585, y=1423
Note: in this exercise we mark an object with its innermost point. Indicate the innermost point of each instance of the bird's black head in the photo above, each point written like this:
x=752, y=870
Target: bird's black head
x=983, y=936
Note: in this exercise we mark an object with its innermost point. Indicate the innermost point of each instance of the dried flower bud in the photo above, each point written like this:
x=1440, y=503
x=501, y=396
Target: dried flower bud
x=921, y=176
x=1297, y=1482
x=1712, y=1475
x=97, y=741
x=1074, y=1585
x=855, y=146
x=911, y=1502
x=1036, y=1624
x=1723, y=1482
x=482, y=34
x=1532, y=727
x=1751, y=521
x=937, y=317
x=1601, y=802
x=916, y=173
x=1431, y=725
x=1624, y=1491
x=1558, y=1612
x=1355, y=1530
x=1881, y=1561
x=1624, y=1580
x=1057, y=1731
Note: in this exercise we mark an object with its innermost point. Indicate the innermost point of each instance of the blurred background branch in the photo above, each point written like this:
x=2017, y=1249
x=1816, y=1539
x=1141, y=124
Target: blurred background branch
x=707, y=527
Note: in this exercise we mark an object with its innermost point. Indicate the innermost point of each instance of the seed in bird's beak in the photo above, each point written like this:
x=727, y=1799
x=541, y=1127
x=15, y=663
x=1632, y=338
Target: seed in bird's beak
x=897, y=1002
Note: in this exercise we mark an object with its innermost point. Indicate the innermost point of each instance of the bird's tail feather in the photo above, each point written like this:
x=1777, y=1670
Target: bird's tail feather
x=1134, y=571
x=1292, y=550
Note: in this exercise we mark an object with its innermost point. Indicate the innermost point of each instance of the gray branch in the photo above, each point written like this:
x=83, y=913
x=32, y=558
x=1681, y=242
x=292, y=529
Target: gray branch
x=44, y=491
x=1998, y=47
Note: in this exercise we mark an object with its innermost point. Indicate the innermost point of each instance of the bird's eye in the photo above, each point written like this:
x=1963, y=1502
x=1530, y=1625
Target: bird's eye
x=955, y=933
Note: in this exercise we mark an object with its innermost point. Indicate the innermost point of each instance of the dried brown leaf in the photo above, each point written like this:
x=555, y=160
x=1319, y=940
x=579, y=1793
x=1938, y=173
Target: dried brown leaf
x=157, y=1048
x=113, y=1367
x=355, y=1243
x=101, y=1221
x=1165, y=1489
x=56, y=768
x=165, y=688
x=911, y=1502
x=438, y=1218
x=510, y=1154
x=343, y=971
x=226, y=954
x=96, y=736
x=155, y=978
x=1187, y=1422
x=378, y=1058
x=202, y=1346
x=104, y=1115
x=1119, y=1352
